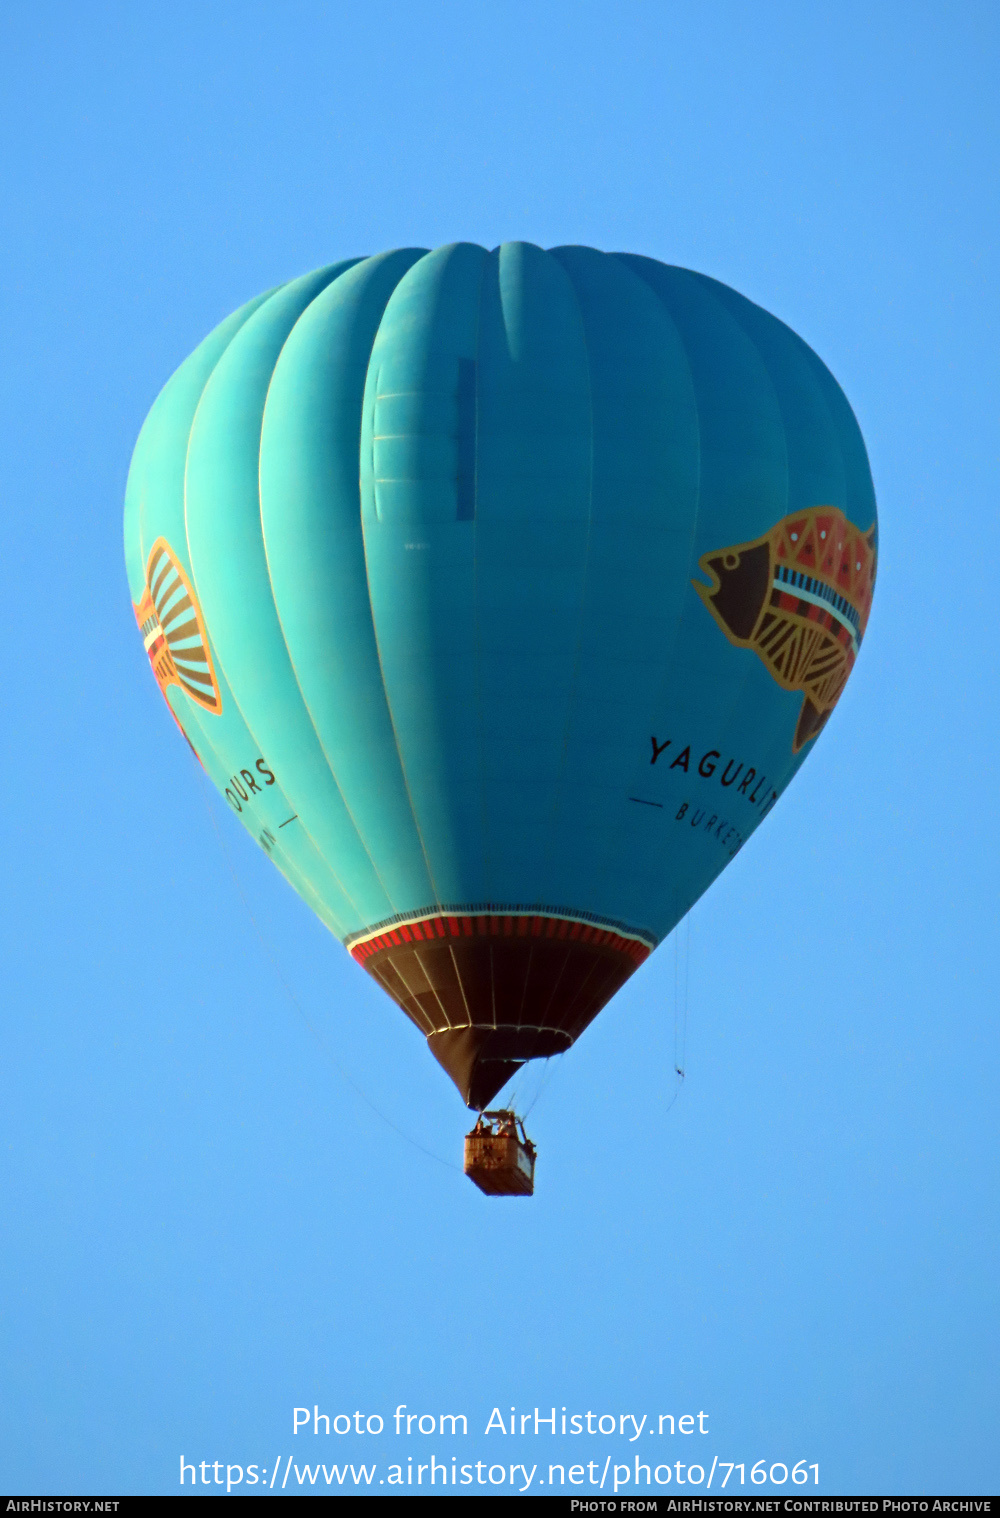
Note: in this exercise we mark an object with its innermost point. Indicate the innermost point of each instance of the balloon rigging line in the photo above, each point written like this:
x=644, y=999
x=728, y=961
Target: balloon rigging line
x=511, y=1100
x=682, y=981
x=681, y=984
x=546, y=1077
x=687, y=979
x=324, y=1047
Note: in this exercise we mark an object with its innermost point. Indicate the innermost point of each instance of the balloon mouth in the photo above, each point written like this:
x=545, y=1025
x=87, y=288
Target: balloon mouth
x=482, y=1060
x=491, y=990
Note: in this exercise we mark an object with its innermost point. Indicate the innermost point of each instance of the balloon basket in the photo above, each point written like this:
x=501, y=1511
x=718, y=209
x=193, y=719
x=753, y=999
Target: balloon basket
x=499, y=1156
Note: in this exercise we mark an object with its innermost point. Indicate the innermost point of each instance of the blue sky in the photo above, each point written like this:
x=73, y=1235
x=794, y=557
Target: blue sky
x=206, y=1224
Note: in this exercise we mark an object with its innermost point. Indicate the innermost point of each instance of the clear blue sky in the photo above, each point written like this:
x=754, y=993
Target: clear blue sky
x=205, y=1225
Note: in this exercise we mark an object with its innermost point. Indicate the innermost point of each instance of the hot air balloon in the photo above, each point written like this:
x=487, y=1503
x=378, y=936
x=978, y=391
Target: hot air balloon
x=501, y=594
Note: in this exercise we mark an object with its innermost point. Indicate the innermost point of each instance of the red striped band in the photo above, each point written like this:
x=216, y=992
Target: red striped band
x=488, y=925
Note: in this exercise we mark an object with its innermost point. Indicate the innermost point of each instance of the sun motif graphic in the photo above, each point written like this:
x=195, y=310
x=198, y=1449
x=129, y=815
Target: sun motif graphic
x=173, y=630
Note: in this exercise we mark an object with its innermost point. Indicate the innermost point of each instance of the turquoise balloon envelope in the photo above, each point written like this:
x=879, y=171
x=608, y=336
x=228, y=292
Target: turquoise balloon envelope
x=501, y=594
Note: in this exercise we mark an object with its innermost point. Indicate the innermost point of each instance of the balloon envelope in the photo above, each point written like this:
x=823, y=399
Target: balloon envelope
x=501, y=594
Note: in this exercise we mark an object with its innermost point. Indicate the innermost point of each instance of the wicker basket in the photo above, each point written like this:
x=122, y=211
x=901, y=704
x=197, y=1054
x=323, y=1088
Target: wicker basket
x=499, y=1158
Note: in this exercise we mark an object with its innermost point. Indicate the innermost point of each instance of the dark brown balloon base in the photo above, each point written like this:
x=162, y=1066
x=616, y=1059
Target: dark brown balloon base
x=480, y=1060
x=491, y=991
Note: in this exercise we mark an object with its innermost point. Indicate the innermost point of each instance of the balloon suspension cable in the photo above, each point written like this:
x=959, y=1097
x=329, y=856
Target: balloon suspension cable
x=547, y=1074
x=508, y=1098
x=321, y=1042
x=682, y=1062
x=682, y=980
